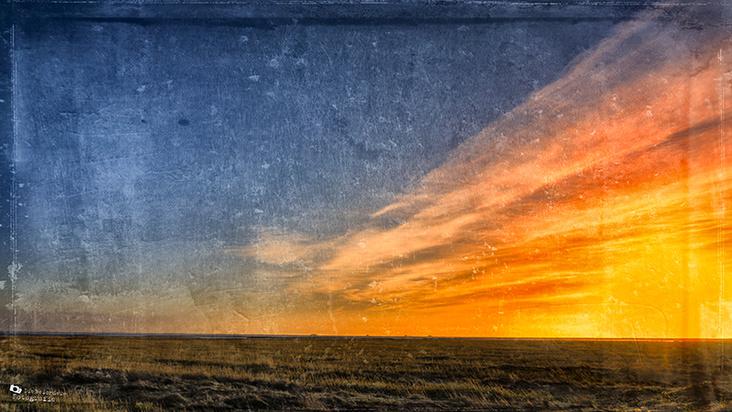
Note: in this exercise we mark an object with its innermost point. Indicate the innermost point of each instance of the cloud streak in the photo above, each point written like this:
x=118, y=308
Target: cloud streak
x=596, y=208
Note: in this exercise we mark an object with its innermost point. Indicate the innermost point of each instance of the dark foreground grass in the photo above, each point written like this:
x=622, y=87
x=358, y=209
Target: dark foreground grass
x=314, y=373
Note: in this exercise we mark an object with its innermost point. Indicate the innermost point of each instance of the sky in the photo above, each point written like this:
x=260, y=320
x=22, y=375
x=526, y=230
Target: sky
x=561, y=177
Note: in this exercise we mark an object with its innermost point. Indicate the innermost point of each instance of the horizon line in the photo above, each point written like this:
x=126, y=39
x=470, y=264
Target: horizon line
x=232, y=336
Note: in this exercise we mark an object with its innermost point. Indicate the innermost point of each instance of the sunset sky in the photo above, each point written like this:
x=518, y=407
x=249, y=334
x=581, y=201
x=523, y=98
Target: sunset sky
x=591, y=202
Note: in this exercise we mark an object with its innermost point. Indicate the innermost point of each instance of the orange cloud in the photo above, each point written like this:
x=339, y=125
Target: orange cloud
x=596, y=208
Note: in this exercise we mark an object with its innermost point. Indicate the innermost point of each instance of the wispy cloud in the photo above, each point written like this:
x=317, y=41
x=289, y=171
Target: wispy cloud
x=602, y=196
x=279, y=247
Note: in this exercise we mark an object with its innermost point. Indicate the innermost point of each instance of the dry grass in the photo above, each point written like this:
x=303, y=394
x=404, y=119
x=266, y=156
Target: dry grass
x=148, y=374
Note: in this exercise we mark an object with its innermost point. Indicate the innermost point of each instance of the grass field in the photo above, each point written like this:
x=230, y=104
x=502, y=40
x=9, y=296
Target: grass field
x=319, y=373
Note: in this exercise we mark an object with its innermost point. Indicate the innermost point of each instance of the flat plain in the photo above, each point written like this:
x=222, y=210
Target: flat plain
x=327, y=373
